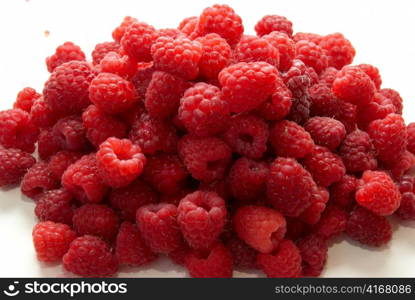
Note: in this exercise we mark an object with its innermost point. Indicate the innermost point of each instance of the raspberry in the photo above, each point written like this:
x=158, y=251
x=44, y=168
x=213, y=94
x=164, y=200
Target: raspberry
x=188, y=25
x=203, y=111
x=342, y=192
x=378, y=108
x=66, y=91
x=260, y=227
x=118, y=32
x=89, y=256
x=130, y=248
x=179, y=256
x=406, y=210
x=247, y=179
x=270, y=23
x=96, y=219
x=70, y=134
x=312, y=55
x=103, y=49
x=289, y=187
x=285, y=261
x=367, y=228
x=51, y=240
x=137, y=40
x=111, y=93
x=332, y=223
x=83, y=181
x=243, y=256
x=247, y=85
x=402, y=165
x=290, y=139
x=55, y=206
x=59, y=162
x=166, y=173
x=119, y=162
x=216, y=263
x=328, y=76
x=25, y=99
x=353, y=85
x=307, y=36
x=393, y=96
x=121, y=65
x=100, y=126
x=389, y=137
x=158, y=226
x=201, y=217
x=377, y=192
x=278, y=106
x=206, y=159
x=285, y=47
x=14, y=163
x=178, y=56
x=142, y=78
x=325, y=166
x=17, y=130
x=339, y=50
x=37, y=180
x=47, y=145
x=314, y=252
x=128, y=199
x=66, y=52
x=251, y=48
x=41, y=115
x=323, y=102
x=326, y=132
x=154, y=135
x=319, y=198
x=373, y=73
x=163, y=94
x=223, y=20
x=169, y=32
x=217, y=54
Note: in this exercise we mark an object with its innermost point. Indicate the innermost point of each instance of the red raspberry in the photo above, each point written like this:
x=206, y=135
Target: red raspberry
x=393, y=96
x=328, y=76
x=407, y=209
x=326, y=132
x=89, y=256
x=121, y=65
x=373, y=73
x=59, y=162
x=66, y=91
x=55, y=206
x=278, y=106
x=314, y=252
x=411, y=137
x=137, y=40
x=243, y=256
x=188, y=25
x=389, y=137
x=103, y=49
x=297, y=77
x=319, y=198
x=378, y=193
x=83, y=181
x=323, y=102
x=285, y=261
x=252, y=48
x=96, y=219
x=378, y=108
x=142, y=78
x=47, y=145
x=247, y=179
x=166, y=173
x=203, y=111
x=354, y=86
x=25, y=99
x=312, y=55
x=158, y=226
x=402, y=165
x=169, y=32
x=100, y=126
x=179, y=256
x=70, y=134
x=339, y=50
x=290, y=139
x=206, y=159
x=51, y=240
x=201, y=217
x=325, y=166
x=119, y=162
x=163, y=94
x=247, y=85
x=154, y=135
x=285, y=47
x=14, y=163
x=66, y=52
x=260, y=227
x=118, y=32
x=247, y=135
x=37, y=180
x=307, y=36
x=130, y=248
x=367, y=228
x=332, y=223
x=223, y=20
x=216, y=263
x=17, y=130
x=217, y=54
x=128, y=199
x=289, y=187
x=342, y=192
x=179, y=56
x=271, y=23
x=347, y=114
x=41, y=115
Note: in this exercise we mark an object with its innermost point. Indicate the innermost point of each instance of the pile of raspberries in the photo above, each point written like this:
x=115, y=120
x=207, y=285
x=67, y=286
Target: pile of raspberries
x=217, y=149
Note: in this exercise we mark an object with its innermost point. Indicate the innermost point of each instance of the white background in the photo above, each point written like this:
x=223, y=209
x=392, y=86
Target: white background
x=381, y=31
